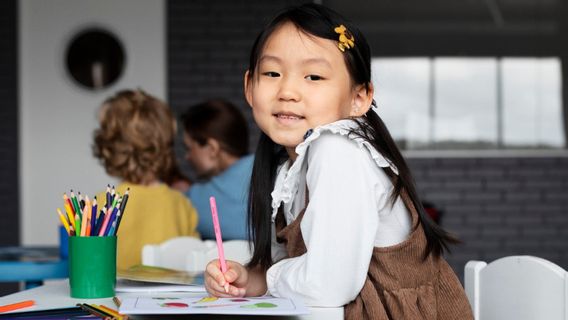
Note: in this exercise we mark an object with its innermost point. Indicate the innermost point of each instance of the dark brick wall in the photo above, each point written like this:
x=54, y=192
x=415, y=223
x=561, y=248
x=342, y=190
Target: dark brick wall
x=9, y=221
x=208, y=49
x=499, y=206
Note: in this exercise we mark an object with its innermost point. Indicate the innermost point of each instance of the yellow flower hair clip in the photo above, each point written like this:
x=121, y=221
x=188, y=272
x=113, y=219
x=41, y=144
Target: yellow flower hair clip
x=346, y=40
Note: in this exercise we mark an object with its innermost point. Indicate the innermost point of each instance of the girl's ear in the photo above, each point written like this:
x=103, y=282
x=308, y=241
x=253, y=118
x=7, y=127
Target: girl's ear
x=248, y=88
x=362, y=100
x=213, y=146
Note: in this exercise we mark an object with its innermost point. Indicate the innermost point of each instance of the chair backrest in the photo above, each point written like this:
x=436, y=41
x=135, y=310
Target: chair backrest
x=192, y=254
x=517, y=287
x=171, y=253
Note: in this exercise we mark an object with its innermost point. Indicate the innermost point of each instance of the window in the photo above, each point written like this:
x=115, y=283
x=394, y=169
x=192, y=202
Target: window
x=470, y=103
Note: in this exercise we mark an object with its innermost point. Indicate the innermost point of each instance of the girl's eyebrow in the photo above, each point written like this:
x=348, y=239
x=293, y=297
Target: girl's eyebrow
x=305, y=61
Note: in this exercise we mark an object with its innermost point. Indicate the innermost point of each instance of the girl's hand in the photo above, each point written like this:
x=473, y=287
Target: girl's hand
x=236, y=278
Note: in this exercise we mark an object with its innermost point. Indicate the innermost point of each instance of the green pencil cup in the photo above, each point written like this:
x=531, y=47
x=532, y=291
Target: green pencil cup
x=92, y=266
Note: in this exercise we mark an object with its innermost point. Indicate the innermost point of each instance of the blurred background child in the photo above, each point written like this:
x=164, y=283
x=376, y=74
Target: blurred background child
x=134, y=142
x=216, y=138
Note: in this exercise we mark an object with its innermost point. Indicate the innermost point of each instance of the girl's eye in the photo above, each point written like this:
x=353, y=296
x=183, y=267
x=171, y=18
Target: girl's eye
x=313, y=77
x=271, y=74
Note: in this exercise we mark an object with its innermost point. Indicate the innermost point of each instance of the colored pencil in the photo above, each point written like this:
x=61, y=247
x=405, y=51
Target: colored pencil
x=77, y=224
x=81, y=201
x=122, y=208
x=64, y=221
x=99, y=223
x=112, y=229
x=108, y=310
x=86, y=216
x=16, y=306
x=108, y=200
x=94, y=311
x=218, y=238
x=116, y=301
x=69, y=210
x=94, y=216
x=112, y=195
x=76, y=205
x=109, y=214
x=112, y=218
x=89, y=206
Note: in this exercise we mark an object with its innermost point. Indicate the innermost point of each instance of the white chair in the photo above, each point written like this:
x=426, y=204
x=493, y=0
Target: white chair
x=517, y=287
x=192, y=254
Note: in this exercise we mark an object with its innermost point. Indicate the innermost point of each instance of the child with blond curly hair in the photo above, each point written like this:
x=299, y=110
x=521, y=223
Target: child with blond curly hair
x=135, y=142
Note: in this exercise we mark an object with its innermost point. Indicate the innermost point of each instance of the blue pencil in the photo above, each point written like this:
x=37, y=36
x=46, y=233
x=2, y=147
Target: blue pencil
x=122, y=208
x=112, y=230
x=99, y=223
x=108, y=199
x=94, y=216
x=111, y=220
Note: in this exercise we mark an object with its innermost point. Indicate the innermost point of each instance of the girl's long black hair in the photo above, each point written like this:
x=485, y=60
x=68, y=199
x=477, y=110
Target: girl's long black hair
x=319, y=21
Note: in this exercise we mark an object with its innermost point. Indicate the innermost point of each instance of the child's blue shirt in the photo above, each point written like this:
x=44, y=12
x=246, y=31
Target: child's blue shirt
x=230, y=190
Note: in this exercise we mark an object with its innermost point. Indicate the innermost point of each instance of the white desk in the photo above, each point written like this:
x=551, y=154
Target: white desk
x=55, y=294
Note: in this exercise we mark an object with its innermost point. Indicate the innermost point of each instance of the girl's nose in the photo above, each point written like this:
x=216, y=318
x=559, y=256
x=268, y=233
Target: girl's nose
x=288, y=90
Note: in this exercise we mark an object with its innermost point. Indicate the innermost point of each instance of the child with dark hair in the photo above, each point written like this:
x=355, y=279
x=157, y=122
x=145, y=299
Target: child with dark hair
x=216, y=139
x=334, y=215
x=134, y=142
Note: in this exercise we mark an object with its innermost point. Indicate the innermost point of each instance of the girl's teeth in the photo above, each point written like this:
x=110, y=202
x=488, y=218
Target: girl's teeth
x=288, y=116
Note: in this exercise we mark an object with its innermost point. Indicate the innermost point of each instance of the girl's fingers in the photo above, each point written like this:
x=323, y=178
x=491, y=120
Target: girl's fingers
x=214, y=285
x=216, y=282
x=237, y=292
x=231, y=275
x=216, y=290
x=215, y=272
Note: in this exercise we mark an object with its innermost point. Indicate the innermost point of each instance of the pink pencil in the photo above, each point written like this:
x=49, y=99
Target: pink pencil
x=218, y=237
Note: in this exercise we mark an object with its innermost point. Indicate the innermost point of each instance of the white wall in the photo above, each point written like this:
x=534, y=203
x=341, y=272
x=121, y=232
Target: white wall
x=57, y=118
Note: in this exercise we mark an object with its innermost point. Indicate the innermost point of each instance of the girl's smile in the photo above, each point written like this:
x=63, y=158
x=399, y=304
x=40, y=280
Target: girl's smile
x=288, y=118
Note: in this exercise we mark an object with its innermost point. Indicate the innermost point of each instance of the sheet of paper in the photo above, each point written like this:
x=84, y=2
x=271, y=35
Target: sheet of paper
x=266, y=305
x=123, y=285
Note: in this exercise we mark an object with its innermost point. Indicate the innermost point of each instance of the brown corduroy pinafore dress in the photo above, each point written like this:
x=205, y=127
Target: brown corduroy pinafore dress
x=400, y=284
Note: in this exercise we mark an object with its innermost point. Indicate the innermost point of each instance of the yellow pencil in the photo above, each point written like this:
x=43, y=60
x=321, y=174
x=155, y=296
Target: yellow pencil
x=114, y=313
x=64, y=221
x=69, y=210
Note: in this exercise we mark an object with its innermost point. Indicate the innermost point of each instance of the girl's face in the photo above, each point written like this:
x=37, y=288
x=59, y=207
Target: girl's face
x=302, y=82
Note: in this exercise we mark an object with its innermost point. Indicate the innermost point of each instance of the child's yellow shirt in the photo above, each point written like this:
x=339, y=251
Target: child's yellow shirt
x=153, y=215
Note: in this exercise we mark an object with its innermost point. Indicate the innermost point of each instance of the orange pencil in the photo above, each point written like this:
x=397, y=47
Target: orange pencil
x=85, y=218
x=16, y=306
x=88, y=213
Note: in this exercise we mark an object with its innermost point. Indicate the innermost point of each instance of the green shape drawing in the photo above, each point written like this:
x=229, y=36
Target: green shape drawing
x=260, y=305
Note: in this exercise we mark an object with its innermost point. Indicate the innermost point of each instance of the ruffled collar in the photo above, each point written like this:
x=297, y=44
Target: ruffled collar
x=288, y=176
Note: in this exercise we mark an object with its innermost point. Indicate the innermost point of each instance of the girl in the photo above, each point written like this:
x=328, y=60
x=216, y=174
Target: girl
x=134, y=142
x=343, y=224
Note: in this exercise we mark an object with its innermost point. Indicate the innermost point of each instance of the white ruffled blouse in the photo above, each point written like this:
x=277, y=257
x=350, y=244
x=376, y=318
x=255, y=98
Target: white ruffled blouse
x=348, y=214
